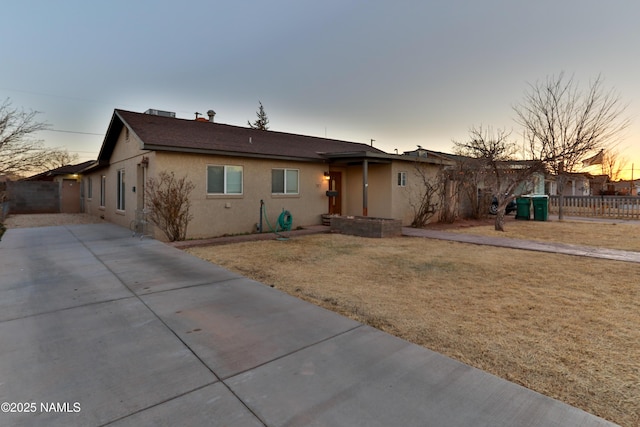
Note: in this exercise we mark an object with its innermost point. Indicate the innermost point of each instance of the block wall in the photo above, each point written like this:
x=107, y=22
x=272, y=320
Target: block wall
x=33, y=197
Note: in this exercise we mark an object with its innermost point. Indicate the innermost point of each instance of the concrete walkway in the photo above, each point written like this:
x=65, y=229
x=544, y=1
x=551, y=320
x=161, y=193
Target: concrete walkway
x=529, y=245
x=99, y=328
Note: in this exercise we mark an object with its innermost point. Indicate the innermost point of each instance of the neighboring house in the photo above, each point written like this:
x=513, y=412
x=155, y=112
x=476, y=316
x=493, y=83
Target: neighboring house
x=56, y=190
x=466, y=207
x=534, y=186
x=423, y=153
x=599, y=184
x=70, y=172
x=624, y=188
x=577, y=184
x=585, y=184
x=234, y=169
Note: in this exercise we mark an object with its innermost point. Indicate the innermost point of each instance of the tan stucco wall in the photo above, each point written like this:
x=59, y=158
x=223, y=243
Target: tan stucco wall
x=213, y=215
x=352, y=182
x=216, y=215
x=401, y=196
x=127, y=155
x=404, y=197
x=91, y=203
x=385, y=198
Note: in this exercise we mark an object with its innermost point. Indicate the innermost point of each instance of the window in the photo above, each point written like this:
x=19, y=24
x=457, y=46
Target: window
x=284, y=181
x=89, y=188
x=120, y=190
x=402, y=179
x=224, y=179
x=103, y=186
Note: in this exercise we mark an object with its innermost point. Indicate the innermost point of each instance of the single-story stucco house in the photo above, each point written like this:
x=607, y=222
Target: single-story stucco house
x=236, y=169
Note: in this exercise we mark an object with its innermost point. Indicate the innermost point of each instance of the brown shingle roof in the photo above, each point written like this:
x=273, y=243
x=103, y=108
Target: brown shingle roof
x=62, y=170
x=171, y=134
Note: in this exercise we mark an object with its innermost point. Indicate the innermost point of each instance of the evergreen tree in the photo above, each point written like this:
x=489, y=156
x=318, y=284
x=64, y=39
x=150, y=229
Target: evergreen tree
x=262, y=122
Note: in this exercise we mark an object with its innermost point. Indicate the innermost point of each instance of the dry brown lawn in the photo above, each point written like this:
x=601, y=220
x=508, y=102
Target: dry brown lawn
x=567, y=327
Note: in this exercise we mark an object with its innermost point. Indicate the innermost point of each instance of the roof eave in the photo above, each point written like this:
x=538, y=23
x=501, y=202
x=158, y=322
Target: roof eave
x=384, y=158
x=110, y=138
x=227, y=153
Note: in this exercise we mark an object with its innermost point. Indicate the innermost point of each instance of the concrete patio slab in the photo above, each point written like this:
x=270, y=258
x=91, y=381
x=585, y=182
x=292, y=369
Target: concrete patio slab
x=99, y=232
x=366, y=377
x=37, y=237
x=240, y=324
x=60, y=275
x=213, y=405
x=177, y=271
x=22, y=296
x=112, y=358
x=128, y=258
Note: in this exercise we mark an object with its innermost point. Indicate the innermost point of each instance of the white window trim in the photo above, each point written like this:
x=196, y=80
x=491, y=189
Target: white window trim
x=284, y=176
x=121, y=190
x=402, y=177
x=103, y=190
x=224, y=184
x=89, y=188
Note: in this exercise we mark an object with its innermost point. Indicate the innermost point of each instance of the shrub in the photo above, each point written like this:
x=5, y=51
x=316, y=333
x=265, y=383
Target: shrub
x=168, y=203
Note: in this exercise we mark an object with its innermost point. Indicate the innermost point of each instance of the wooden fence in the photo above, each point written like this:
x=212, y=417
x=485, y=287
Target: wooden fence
x=624, y=207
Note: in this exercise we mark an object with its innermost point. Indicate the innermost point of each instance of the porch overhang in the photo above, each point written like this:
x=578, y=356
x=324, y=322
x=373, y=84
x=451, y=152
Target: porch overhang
x=363, y=158
x=358, y=157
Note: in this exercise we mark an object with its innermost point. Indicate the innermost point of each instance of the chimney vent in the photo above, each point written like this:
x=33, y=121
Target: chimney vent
x=211, y=115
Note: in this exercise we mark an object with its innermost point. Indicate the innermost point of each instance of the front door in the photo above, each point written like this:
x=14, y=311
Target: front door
x=335, y=184
x=70, y=196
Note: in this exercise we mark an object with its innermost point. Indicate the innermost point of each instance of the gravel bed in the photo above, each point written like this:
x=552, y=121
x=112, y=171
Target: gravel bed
x=46, y=220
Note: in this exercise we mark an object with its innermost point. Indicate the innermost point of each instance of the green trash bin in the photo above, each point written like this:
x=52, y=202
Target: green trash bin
x=541, y=208
x=523, y=210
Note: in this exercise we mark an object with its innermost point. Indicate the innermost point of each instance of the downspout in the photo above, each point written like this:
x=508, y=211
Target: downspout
x=365, y=187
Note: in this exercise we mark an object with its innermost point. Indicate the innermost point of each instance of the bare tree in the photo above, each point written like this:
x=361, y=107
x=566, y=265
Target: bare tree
x=449, y=183
x=61, y=158
x=262, y=122
x=613, y=164
x=169, y=204
x=563, y=124
x=469, y=177
x=425, y=196
x=20, y=152
x=494, y=159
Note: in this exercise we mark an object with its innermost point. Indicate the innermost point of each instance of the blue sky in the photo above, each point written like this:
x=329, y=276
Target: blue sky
x=403, y=73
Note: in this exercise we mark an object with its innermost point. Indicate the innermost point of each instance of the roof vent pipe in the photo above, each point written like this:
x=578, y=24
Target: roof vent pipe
x=211, y=115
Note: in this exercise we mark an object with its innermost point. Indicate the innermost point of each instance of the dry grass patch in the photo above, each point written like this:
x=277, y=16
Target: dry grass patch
x=47, y=220
x=625, y=236
x=564, y=326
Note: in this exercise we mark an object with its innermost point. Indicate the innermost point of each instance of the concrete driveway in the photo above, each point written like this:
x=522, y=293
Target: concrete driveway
x=99, y=328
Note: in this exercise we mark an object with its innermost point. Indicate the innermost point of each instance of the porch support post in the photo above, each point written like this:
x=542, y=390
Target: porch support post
x=365, y=187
